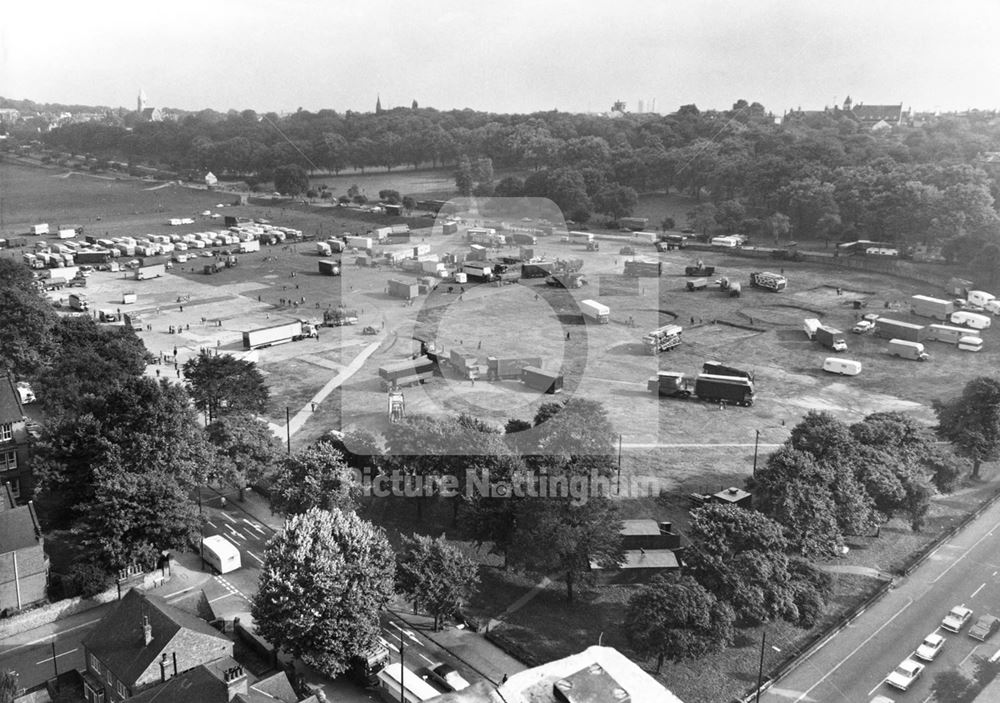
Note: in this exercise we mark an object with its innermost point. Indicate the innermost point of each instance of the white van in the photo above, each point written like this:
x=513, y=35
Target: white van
x=220, y=553
x=972, y=344
x=845, y=367
x=908, y=350
x=980, y=297
x=970, y=319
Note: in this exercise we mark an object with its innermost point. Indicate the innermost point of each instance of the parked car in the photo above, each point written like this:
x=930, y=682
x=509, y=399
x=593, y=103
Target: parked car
x=985, y=626
x=930, y=647
x=447, y=677
x=956, y=618
x=905, y=674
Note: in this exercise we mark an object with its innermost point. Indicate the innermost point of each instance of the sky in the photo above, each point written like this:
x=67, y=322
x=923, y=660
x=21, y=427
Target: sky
x=506, y=56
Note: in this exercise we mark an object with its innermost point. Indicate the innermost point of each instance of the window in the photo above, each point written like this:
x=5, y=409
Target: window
x=6, y=432
x=95, y=664
x=121, y=689
x=108, y=676
x=8, y=461
x=15, y=487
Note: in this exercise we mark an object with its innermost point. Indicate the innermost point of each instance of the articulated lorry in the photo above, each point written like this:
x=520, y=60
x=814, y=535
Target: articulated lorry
x=897, y=329
x=278, y=334
x=715, y=389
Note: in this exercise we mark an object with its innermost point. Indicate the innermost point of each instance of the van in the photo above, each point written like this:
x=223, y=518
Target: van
x=974, y=320
x=908, y=350
x=220, y=554
x=845, y=367
x=972, y=344
x=980, y=297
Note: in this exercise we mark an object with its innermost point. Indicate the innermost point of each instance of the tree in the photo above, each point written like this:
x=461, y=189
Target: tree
x=317, y=477
x=325, y=579
x=435, y=575
x=291, y=179
x=971, y=421
x=954, y=687
x=463, y=177
x=28, y=322
x=677, y=618
x=409, y=203
x=945, y=468
x=777, y=225
x=8, y=686
x=389, y=196
x=702, y=218
x=616, y=201
x=225, y=384
x=246, y=449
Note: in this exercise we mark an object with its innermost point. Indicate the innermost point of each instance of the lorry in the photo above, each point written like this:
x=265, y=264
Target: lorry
x=94, y=257
x=581, y=237
x=524, y=239
x=693, y=285
x=249, y=245
x=640, y=267
x=596, y=311
x=143, y=273
x=908, y=350
x=366, y=664
x=896, y=329
x=831, y=338
x=407, y=372
x=278, y=334
x=810, y=325
x=670, y=241
x=566, y=280
x=467, y=365
x=926, y=306
x=506, y=368
x=699, y=269
x=768, y=281
x=78, y=301
x=716, y=389
x=134, y=320
x=329, y=267
x=548, y=382
x=662, y=338
x=481, y=271
x=339, y=317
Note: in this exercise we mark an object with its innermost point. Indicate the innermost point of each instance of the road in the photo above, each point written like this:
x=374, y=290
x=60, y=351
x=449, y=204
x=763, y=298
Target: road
x=853, y=664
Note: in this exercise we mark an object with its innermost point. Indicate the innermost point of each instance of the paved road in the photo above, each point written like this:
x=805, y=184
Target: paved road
x=852, y=665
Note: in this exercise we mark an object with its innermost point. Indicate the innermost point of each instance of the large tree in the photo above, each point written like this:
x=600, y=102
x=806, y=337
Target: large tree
x=971, y=422
x=436, y=575
x=325, y=579
x=291, y=179
x=221, y=384
x=245, y=448
x=677, y=618
x=316, y=477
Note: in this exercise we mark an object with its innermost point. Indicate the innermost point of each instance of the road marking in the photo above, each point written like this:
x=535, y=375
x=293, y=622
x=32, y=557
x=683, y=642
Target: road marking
x=391, y=646
x=970, y=654
x=855, y=650
x=48, y=637
x=226, y=515
x=57, y=655
x=977, y=591
x=429, y=661
x=877, y=687
x=965, y=553
x=224, y=595
x=256, y=557
x=212, y=524
x=181, y=592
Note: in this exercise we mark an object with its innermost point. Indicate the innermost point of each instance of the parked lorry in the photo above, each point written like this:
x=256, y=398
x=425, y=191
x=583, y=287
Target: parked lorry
x=278, y=334
x=693, y=285
x=896, y=329
x=831, y=338
x=365, y=666
x=481, y=271
x=407, y=372
x=581, y=237
x=536, y=270
x=94, y=257
x=143, y=273
x=339, y=317
x=699, y=269
x=79, y=302
x=715, y=389
x=640, y=267
x=505, y=368
x=908, y=350
x=768, y=281
x=134, y=320
x=566, y=280
x=524, y=239
x=810, y=325
x=329, y=267
x=546, y=381
x=662, y=338
x=249, y=245
x=596, y=311
x=926, y=306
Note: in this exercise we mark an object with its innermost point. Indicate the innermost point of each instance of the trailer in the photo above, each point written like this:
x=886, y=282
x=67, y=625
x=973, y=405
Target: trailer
x=407, y=372
x=596, y=311
x=524, y=239
x=134, y=320
x=699, y=269
x=693, y=285
x=278, y=334
x=662, y=338
x=509, y=368
x=925, y=306
x=478, y=270
x=143, y=273
x=581, y=237
x=896, y=329
x=716, y=368
x=404, y=290
x=768, y=281
x=906, y=349
x=78, y=302
x=249, y=246
x=329, y=267
x=810, y=325
x=643, y=268
x=724, y=389
x=536, y=270
x=945, y=333
x=93, y=257
x=548, y=382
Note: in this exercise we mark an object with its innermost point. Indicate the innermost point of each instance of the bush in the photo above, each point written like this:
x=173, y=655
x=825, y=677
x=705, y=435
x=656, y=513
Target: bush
x=88, y=579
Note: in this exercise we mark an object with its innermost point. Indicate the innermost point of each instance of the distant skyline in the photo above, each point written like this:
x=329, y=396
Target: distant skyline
x=516, y=56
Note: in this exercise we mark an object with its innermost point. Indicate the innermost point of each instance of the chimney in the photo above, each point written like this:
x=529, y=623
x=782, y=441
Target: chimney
x=147, y=631
x=163, y=667
x=236, y=682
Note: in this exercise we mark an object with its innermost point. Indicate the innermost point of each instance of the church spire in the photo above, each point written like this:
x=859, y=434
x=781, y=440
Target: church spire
x=378, y=105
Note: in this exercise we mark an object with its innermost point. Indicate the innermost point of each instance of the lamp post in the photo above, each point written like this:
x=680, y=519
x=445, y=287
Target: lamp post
x=619, y=486
x=756, y=443
x=760, y=669
x=288, y=429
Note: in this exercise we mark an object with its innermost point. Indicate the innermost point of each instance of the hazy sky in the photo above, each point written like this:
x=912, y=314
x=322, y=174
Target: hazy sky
x=502, y=56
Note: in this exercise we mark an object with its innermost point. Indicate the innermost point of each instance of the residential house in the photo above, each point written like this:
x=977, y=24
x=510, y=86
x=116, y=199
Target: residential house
x=24, y=568
x=223, y=681
x=876, y=116
x=15, y=468
x=210, y=179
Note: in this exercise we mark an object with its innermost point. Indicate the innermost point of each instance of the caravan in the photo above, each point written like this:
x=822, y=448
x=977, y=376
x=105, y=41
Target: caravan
x=845, y=367
x=220, y=553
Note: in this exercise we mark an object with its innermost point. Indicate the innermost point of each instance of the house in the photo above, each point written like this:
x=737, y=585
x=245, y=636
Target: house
x=876, y=116
x=210, y=179
x=648, y=548
x=221, y=682
x=24, y=568
x=143, y=643
x=14, y=465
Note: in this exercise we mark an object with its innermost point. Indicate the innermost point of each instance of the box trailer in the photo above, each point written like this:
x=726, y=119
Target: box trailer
x=478, y=270
x=637, y=268
x=810, y=325
x=887, y=328
x=408, y=372
x=359, y=242
x=926, y=306
x=249, y=245
x=831, y=338
x=504, y=368
x=908, y=350
x=403, y=289
x=449, y=228
x=94, y=257
x=277, y=334
x=581, y=237
x=715, y=368
x=945, y=333
x=79, y=302
x=63, y=274
x=541, y=380
x=595, y=311
x=40, y=229
x=729, y=389
x=524, y=239
x=693, y=285
x=329, y=268
x=143, y=273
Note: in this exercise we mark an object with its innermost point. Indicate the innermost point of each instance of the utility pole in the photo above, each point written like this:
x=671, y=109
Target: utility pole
x=619, y=463
x=288, y=429
x=756, y=442
x=760, y=669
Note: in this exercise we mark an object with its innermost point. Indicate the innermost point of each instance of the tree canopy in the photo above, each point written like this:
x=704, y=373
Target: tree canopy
x=436, y=575
x=971, y=422
x=222, y=384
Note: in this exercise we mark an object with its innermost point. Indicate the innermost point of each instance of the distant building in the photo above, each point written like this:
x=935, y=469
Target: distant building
x=876, y=116
x=151, y=114
x=649, y=548
x=210, y=179
x=9, y=115
x=15, y=468
x=733, y=496
x=24, y=568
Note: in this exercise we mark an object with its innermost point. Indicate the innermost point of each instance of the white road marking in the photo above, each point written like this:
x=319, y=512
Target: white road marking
x=48, y=637
x=965, y=553
x=971, y=653
x=877, y=687
x=57, y=655
x=256, y=557
x=211, y=523
x=977, y=591
x=429, y=661
x=224, y=595
x=226, y=515
x=909, y=602
x=176, y=594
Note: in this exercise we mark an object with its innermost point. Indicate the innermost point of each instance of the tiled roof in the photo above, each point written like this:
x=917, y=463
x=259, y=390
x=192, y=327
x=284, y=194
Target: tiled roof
x=10, y=402
x=19, y=528
x=204, y=685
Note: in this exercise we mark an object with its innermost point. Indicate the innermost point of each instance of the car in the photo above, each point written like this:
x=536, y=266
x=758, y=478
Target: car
x=956, y=618
x=930, y=647
x=985, y=626
x=863, y=327
x=905, y=674
x=447, y=677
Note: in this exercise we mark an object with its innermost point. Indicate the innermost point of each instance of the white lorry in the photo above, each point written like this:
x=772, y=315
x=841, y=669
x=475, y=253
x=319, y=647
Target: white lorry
x=597, y=312
x=908, y=350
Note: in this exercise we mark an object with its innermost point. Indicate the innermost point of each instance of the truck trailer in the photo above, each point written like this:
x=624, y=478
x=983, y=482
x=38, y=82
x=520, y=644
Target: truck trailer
x=662, y=338
x=716, y=368
x=650, y=269
x=945, y=333
x=507, y=368
x=896, y=329
x=548, y=382
x=831, y=338
x=143, y=273
x=925, y=306
x=596, y=311
x=278, y=334
x=404, y=290
x=407, y=372
x=715, y=389
x=329, y=267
